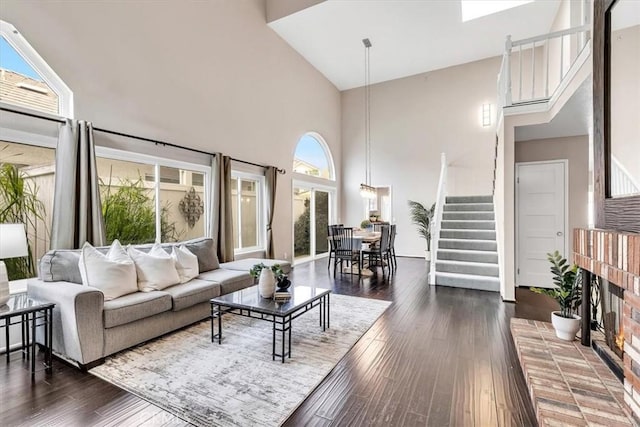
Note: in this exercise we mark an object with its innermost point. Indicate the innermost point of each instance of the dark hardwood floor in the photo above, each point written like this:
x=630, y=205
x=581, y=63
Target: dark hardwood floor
x=438, y=356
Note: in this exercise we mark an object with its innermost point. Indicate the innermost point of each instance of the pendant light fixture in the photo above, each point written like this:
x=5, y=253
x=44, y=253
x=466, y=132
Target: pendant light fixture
x=366, y=190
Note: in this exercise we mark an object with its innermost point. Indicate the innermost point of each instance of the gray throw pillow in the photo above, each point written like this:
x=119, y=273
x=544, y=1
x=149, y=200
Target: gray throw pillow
x=60, y=266
x=204, y=249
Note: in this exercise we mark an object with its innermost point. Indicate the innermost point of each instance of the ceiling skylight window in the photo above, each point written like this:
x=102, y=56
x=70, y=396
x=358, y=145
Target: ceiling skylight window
x=472, y=9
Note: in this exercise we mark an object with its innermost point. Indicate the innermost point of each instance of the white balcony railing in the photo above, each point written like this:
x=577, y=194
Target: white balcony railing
x=534, y=69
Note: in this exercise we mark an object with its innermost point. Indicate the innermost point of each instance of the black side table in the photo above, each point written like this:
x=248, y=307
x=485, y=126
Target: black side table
x=30, y=314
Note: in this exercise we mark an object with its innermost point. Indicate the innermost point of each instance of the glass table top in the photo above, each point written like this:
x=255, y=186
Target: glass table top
x=20, y=304
x=250, y=298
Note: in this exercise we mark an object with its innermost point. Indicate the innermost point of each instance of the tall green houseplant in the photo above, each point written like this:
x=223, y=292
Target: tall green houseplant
x=19, y=204
x=421, y=218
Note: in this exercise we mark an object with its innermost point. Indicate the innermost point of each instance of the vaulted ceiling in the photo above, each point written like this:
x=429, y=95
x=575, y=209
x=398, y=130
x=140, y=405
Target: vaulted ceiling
x=408, y=36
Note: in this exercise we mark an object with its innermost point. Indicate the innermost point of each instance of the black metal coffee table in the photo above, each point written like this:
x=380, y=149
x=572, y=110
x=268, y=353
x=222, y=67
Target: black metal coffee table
x=248, y=303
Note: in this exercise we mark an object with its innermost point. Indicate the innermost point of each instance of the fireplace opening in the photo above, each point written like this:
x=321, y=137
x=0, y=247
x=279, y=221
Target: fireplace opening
x=612, y=306
x=607, y=315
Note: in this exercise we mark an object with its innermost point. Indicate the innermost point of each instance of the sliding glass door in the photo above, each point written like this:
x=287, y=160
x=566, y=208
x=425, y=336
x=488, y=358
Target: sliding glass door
x=312, y=213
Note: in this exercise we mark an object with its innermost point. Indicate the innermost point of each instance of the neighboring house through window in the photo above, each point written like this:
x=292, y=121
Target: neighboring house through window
x=26, y=80
x=27, y=145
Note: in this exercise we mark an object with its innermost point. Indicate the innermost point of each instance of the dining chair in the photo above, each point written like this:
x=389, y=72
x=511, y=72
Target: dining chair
x=392, y=246
x=379, y=254
x=332, y=241
x=347, y=248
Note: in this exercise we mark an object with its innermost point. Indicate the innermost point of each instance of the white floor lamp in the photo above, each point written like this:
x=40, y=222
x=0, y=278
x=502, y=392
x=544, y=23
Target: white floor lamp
x=13, y=244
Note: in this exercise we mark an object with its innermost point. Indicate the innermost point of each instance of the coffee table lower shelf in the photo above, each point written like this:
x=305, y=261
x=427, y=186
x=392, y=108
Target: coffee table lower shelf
x=281, y=322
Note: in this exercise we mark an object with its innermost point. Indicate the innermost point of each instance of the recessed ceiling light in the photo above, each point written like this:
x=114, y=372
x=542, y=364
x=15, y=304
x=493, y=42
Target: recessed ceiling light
x=472, y=9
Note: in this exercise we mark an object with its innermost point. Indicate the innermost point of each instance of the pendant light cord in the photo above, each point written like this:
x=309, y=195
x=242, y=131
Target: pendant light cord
x=367, y=112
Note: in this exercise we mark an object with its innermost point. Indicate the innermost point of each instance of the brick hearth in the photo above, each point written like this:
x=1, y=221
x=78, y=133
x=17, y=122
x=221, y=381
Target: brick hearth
x=615, y=257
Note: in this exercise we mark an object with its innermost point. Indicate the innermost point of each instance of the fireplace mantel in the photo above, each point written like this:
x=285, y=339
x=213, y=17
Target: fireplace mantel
x=615, y=257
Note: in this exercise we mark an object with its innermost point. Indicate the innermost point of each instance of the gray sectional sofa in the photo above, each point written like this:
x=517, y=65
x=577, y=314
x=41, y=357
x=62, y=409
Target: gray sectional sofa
x=87, y=328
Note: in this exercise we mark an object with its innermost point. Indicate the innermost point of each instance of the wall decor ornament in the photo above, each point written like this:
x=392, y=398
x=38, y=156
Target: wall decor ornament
x=191, y=207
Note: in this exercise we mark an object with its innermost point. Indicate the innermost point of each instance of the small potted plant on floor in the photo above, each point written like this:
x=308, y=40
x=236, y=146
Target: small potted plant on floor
x=568, y=293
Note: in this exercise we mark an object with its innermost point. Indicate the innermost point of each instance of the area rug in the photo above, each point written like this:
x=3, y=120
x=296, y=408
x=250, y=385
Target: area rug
x=236, y=383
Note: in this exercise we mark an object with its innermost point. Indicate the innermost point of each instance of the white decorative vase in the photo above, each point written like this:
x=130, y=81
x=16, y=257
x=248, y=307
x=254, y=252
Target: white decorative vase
x=266, y=283
x=427, y=255
x=566, y=329
x=4, y=284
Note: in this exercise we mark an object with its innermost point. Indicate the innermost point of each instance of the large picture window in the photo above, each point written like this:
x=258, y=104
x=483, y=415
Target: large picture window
x=145, y=201
x=27, y=181
x=247, y=211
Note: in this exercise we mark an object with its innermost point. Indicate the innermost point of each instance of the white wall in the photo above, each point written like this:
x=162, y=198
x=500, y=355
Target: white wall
x=413, y=120
x=208, y=75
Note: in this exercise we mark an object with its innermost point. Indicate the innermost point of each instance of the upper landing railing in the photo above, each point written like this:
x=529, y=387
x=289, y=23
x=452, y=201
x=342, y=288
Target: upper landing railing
x=534, y=69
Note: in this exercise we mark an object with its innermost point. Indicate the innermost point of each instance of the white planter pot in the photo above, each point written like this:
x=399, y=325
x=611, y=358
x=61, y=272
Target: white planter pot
x=266, y=283
x=427, y=255
x=566, y=329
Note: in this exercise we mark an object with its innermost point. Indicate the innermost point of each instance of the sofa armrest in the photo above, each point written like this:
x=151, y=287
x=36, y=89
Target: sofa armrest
x=78, y=329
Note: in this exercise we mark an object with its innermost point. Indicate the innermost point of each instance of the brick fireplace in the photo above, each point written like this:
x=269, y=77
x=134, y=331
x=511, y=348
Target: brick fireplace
x=615, y=257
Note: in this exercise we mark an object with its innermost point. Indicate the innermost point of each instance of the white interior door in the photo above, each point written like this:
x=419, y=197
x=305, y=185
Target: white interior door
x=541, y=219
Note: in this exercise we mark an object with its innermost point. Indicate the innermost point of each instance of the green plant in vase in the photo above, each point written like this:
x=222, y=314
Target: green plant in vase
x=567, y=291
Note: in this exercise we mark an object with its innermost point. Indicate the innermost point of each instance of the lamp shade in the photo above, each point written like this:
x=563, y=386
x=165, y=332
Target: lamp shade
x=13, y=241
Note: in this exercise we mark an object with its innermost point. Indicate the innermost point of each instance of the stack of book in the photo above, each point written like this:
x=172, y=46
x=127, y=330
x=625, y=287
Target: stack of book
x=282, y=296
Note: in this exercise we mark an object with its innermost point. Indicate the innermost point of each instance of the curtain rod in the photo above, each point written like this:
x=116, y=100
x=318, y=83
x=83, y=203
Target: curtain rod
x=140, y=138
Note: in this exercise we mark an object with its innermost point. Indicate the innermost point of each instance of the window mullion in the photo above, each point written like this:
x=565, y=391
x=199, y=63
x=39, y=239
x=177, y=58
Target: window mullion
x=312, y=223
x=239, y=210
x=158, y=209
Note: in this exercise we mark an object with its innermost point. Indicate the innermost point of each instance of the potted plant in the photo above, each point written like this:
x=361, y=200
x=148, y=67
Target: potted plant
x=365, y=224
x=568, y=293
x=422, y=217
x=267, y=278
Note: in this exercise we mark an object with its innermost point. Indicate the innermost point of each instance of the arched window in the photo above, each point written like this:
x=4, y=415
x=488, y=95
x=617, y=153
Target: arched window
x=313, y=157
x=26, y=80
x=314, y=201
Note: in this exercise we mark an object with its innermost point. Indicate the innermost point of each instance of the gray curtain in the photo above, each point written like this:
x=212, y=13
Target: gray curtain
x=271, y=181
x=77, y=211
x=222, y=221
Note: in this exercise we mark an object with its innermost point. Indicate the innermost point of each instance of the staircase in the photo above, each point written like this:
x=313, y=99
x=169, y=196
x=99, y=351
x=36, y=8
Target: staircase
x=467, y=254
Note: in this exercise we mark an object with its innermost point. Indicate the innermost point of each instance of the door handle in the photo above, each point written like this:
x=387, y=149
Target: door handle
x=559, y=233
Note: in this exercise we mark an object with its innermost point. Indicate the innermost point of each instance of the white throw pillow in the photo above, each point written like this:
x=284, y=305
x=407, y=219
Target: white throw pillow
x=156, y=269
x=186, y=263
x=114, y=273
